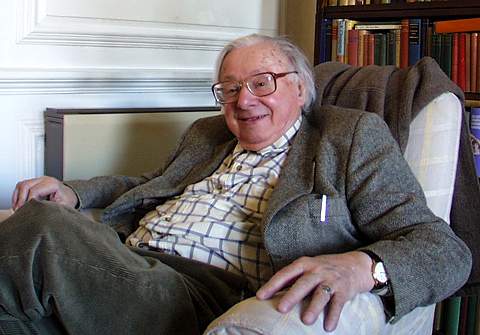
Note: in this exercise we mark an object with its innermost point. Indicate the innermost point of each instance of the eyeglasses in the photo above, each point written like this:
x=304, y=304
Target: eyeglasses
x=260, y=85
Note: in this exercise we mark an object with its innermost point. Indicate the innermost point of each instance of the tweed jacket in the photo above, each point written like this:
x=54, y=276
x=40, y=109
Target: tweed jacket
x=348, y=157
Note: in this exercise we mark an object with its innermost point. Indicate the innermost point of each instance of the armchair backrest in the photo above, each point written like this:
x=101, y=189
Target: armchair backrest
x=432, y=151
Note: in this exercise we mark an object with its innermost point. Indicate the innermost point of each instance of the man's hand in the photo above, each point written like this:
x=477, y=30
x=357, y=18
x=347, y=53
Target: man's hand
x=329, y=279
x=43, y=188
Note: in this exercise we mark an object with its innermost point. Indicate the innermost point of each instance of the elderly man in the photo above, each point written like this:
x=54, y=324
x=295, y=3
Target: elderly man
x=268, y=197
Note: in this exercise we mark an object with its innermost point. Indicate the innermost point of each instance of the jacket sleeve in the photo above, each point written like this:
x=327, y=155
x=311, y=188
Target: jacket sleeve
x=425, y=261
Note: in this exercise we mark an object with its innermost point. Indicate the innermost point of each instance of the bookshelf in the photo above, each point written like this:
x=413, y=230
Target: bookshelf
x=456, y=315
x=434, y=11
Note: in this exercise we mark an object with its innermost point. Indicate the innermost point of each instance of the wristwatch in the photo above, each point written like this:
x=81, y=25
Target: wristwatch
x=379, y=275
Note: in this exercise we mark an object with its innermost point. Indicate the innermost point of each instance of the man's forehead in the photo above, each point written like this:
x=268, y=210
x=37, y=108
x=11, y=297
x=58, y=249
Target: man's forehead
x=258, y=57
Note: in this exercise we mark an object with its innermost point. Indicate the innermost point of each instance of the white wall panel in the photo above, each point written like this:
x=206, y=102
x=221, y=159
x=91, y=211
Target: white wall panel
x=107, y=53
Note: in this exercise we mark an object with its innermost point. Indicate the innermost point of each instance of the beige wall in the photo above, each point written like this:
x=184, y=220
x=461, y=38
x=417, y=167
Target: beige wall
x=299, y=24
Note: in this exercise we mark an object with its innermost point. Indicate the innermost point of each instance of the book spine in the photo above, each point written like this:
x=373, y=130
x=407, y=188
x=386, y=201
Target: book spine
x=352, y=47
x=397, y=48
x=325, y=35
x=455, y=58
x=370, y=49
x=452, y=315
x=468, y=63
x=447, y=54
x=342, y=32
x=333, y=54
x=437, y=48
x=404, y=44
x=461, y=61
x=361, y=47
x=391, y=52
x=414, y=48
x=475, y=132
x=474, y=62
x=472, y=311
x=332, y=3
x=478, y=70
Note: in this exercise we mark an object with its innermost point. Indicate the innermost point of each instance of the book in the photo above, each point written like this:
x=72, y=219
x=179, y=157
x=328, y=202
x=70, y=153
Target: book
x=378, y=26
x=468, y=63
x=414, y=42
x=334, y=40
x=341, y=40
x=352, y=47
x=457, y=26
x=446, y=58
x=325, y=38
x=455, y=55
x=474, y=63
x=404, y=43
x=461, y=61
x=452, y=315
x=475, y=136
x=471, y=315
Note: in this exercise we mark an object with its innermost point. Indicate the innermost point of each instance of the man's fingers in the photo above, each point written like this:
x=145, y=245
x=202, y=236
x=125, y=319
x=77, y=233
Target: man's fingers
x=280, y=280
x=320, y=298
x=332, y=313
x=301, y=289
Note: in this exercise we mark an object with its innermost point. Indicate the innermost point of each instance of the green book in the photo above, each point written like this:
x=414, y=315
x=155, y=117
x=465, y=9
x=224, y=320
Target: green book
x=471, y=315
x=452, y=315
x=437, y=48
x=446, y=65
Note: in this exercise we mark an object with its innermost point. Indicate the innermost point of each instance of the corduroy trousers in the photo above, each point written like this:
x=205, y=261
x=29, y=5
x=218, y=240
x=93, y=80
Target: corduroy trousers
x=61, y=273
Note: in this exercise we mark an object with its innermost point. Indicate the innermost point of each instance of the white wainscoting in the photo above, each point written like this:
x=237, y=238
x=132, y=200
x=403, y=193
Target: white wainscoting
x=108, y=53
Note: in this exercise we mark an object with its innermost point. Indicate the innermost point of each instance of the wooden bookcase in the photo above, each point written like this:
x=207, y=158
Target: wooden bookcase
x=434, y=10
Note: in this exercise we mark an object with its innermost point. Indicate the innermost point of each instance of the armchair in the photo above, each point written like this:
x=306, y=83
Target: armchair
x=431, y=151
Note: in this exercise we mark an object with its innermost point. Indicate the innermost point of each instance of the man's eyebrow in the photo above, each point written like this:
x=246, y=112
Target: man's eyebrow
x=251, y=73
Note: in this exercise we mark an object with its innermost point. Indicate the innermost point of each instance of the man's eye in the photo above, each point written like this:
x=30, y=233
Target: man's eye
x=260, y=83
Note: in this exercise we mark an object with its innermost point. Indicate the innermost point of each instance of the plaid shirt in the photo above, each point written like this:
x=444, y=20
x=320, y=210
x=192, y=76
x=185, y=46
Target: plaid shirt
x=217, y=220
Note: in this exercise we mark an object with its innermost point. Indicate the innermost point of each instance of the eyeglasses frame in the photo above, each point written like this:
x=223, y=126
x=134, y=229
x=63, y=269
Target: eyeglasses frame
x=243, y=83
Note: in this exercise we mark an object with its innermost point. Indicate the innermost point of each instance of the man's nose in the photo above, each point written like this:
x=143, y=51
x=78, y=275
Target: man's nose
x=245, y=97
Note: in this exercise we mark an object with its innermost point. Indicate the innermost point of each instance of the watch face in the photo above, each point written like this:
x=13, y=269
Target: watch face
x=379, y=273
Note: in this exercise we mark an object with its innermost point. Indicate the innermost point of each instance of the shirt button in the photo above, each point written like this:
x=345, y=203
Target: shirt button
x=168, y=219
x=239, y=167
x=219, y=187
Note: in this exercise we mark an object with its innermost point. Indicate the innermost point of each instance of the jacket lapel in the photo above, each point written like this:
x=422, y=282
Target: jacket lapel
x=297, y=175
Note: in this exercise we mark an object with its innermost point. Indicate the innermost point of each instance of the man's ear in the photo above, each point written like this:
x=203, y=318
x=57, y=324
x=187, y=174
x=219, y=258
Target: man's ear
x=301, y=92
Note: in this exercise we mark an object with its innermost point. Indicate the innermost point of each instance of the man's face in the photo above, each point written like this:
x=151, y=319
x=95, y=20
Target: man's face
x=258, y=122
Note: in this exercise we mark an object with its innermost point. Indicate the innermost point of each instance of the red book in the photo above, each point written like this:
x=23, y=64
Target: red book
x=474, y=84
x=365, y=49
x=461, y=60
x=371, y=49
x=455, y=58
x=478, y=63
x=352, y=53
x=467, y=64
x=457, y=26
x=404, y=44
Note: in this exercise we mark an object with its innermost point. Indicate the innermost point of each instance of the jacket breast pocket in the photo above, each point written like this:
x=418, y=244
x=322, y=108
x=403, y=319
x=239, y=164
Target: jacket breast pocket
x=326, y=210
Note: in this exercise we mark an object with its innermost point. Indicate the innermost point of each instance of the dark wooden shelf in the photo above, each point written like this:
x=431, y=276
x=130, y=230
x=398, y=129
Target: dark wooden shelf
x=437, y=9
x=472, y=96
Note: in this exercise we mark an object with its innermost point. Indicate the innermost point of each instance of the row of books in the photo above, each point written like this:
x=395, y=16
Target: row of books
x=402, y=44
x=457, y=316
x=372, y=2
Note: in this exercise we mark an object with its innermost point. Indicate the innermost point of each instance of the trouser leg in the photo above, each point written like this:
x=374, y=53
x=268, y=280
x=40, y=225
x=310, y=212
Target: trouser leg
x=54, y=261
x=363, y=315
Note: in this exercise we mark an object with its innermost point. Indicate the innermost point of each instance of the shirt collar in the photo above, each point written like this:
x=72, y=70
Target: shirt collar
x=281, y=144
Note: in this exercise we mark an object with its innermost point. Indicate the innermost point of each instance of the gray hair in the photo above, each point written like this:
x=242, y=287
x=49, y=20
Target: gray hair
x=290, y=50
